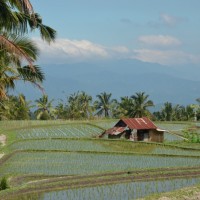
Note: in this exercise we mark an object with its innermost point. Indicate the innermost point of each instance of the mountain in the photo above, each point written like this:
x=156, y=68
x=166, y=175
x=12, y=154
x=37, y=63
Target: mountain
x=121, y=78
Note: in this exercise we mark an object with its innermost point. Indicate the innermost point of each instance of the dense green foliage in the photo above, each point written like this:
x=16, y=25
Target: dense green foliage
x=192, y=136
x=4, y=184
x=82, y=106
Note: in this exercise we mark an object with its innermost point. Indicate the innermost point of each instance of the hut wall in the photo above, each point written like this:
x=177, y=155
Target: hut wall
x=143, y=135
x=156, y=136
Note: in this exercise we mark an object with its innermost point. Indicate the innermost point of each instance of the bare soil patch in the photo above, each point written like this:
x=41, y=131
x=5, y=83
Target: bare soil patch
x=3, y=139
x=1, y=155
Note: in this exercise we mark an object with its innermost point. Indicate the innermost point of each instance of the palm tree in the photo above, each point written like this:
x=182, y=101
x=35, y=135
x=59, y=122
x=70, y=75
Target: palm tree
x=85, y=100
x=141, y=103
x=17, y=17
x=126, y=106
x=167, y=111
x=103, y=104
x=178, y=113
x=5, y=109
x=11, y=69
x=45, y=108
x=23, y=108
x=60, y=110
x=15, y=108
x=78, y=105
x=73, y=106
x=189, y=112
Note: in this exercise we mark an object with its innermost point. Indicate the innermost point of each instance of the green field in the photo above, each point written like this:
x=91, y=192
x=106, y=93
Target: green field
x=66, y=160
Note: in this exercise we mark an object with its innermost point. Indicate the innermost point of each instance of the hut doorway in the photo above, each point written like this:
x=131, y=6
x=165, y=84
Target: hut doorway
x=143, y=135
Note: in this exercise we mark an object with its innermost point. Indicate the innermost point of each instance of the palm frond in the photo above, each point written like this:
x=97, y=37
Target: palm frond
x=11, y=47
x=22, y=5
x=27, y=74
x=47, y=33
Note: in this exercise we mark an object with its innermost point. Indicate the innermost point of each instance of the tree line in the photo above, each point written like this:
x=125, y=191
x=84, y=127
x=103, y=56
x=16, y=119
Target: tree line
x=81, y=105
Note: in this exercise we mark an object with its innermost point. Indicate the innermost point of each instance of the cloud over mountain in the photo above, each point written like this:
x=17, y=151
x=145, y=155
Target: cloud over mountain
x=159, y=40
x=165, y=57
x=66, y=51
x=75, y=51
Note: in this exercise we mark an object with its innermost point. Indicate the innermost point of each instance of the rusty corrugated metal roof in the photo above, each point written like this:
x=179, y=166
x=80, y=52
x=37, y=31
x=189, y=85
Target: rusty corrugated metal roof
x=115, y=130
x=139, y=123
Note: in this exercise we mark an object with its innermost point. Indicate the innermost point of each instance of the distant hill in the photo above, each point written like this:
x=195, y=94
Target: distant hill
x=121, y=78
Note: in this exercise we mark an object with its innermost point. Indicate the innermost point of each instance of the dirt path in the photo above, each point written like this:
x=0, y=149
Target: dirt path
x=1, y=155
x=2, y=143
x=3, y=139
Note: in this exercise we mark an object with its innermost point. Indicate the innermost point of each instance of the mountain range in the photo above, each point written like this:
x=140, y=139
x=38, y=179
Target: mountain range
x=179, y=85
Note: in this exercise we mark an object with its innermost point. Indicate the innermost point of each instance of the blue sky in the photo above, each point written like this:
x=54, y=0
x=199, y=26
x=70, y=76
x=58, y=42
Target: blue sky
x=165, y=32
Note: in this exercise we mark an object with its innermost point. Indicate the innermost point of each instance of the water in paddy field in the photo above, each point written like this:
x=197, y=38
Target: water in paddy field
x=124, y=191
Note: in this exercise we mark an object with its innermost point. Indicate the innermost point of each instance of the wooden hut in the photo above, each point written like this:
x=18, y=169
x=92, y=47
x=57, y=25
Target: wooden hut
x=135, y=129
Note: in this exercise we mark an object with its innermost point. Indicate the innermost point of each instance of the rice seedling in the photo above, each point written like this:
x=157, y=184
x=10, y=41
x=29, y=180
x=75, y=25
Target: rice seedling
x=64, y=131
x=125, y=191
x=61, y=163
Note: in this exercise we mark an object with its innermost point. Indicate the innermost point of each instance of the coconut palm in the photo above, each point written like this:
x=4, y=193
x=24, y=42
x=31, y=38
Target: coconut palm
x=15, y=108
x=141, y=104
x=5, y=109
x=167, y=111
x=9, y=77
x=23, y=108
x=17, y=17
x=103, y=104
x=85, y=107
x=178, y=113
x=78, y=105
x=11, y=69
x=189, y=112
x=60, y=110
x=73, y=106
x=45, y=108
x=126, y=106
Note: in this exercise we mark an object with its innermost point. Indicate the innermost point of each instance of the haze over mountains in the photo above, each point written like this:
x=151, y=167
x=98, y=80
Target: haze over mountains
x=121, y=78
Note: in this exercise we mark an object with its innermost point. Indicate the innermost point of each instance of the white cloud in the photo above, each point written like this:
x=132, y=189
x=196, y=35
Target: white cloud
x=159, y=40
x=71, y=51
x=65, y=51
x=169, y=57
x=169, y=19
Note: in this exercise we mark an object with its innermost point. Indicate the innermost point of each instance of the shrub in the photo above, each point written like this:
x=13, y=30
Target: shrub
x=45, y=116
x=192, y=136
x=4, y=184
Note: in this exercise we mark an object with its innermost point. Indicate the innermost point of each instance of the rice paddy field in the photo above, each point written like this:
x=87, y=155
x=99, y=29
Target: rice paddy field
x=49, y=160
